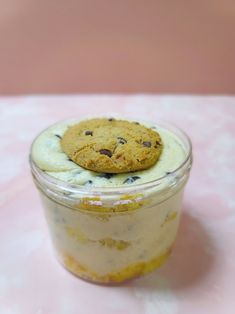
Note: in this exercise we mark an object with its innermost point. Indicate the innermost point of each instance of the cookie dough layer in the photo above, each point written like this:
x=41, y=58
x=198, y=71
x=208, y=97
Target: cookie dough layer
x=48, y=154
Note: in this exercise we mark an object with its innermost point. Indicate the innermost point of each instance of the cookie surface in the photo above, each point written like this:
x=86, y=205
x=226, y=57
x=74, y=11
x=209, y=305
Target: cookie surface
x=112, y=146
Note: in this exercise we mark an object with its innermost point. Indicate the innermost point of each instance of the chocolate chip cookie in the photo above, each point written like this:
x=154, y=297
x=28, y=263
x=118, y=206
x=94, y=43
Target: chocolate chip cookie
x=112, y=146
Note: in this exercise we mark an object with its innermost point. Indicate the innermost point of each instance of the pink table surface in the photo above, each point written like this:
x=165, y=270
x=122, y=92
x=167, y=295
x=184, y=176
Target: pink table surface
x=200, y=275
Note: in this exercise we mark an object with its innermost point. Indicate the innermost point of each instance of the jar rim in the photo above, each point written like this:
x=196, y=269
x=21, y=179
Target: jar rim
x=58, y=184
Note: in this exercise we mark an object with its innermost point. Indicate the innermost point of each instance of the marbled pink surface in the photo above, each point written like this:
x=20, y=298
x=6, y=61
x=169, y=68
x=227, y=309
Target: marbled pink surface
x=199, y=277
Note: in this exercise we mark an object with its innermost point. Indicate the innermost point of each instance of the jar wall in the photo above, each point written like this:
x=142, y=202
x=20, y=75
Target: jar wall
x=112, y=247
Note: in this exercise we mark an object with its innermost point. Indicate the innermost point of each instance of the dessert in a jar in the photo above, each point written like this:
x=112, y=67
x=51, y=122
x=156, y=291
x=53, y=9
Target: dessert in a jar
x=112, y=194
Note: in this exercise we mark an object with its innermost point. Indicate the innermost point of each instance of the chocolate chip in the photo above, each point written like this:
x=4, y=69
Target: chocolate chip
x=121, y=140
x=57, y=135
x=111, y=119
x=157, y=144
x=136, y=123
x=89, y=133
x=69, y=159
x=89, y=182
x=131, y=179
x=106, y=152
x=107, y=175
x=147, y=144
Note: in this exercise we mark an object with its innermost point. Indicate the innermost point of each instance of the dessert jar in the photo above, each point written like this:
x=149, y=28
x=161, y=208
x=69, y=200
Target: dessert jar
x=111, y=234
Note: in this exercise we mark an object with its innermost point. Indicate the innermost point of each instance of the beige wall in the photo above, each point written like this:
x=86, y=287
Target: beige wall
x=163, y=46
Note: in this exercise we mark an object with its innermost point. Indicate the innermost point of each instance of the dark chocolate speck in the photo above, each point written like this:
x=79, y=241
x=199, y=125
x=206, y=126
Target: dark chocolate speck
x=147, y=144
x=89, y=133
x=89, y=182
x=157, y=143
x=111, y=119
x=121, y=140
x=106, y=152
x=107, y=175
x=57, y=135
x=130, y=180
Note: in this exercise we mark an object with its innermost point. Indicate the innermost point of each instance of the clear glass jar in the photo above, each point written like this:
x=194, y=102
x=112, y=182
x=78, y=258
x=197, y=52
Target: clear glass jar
x=112, y=234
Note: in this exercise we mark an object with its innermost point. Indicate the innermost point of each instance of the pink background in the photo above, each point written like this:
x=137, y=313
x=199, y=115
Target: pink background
x=72, y=46
x=200, y=275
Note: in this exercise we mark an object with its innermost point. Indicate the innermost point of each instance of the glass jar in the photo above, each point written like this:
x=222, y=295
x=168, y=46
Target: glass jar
x=112, y=234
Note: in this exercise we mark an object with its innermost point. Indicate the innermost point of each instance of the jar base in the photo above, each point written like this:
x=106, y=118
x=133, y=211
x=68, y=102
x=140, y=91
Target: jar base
x=124, y=275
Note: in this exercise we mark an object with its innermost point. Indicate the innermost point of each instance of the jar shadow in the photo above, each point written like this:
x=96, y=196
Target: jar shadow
x=192, y=260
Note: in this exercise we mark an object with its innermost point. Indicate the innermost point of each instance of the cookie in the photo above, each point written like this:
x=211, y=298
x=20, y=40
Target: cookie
x=112, y=146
